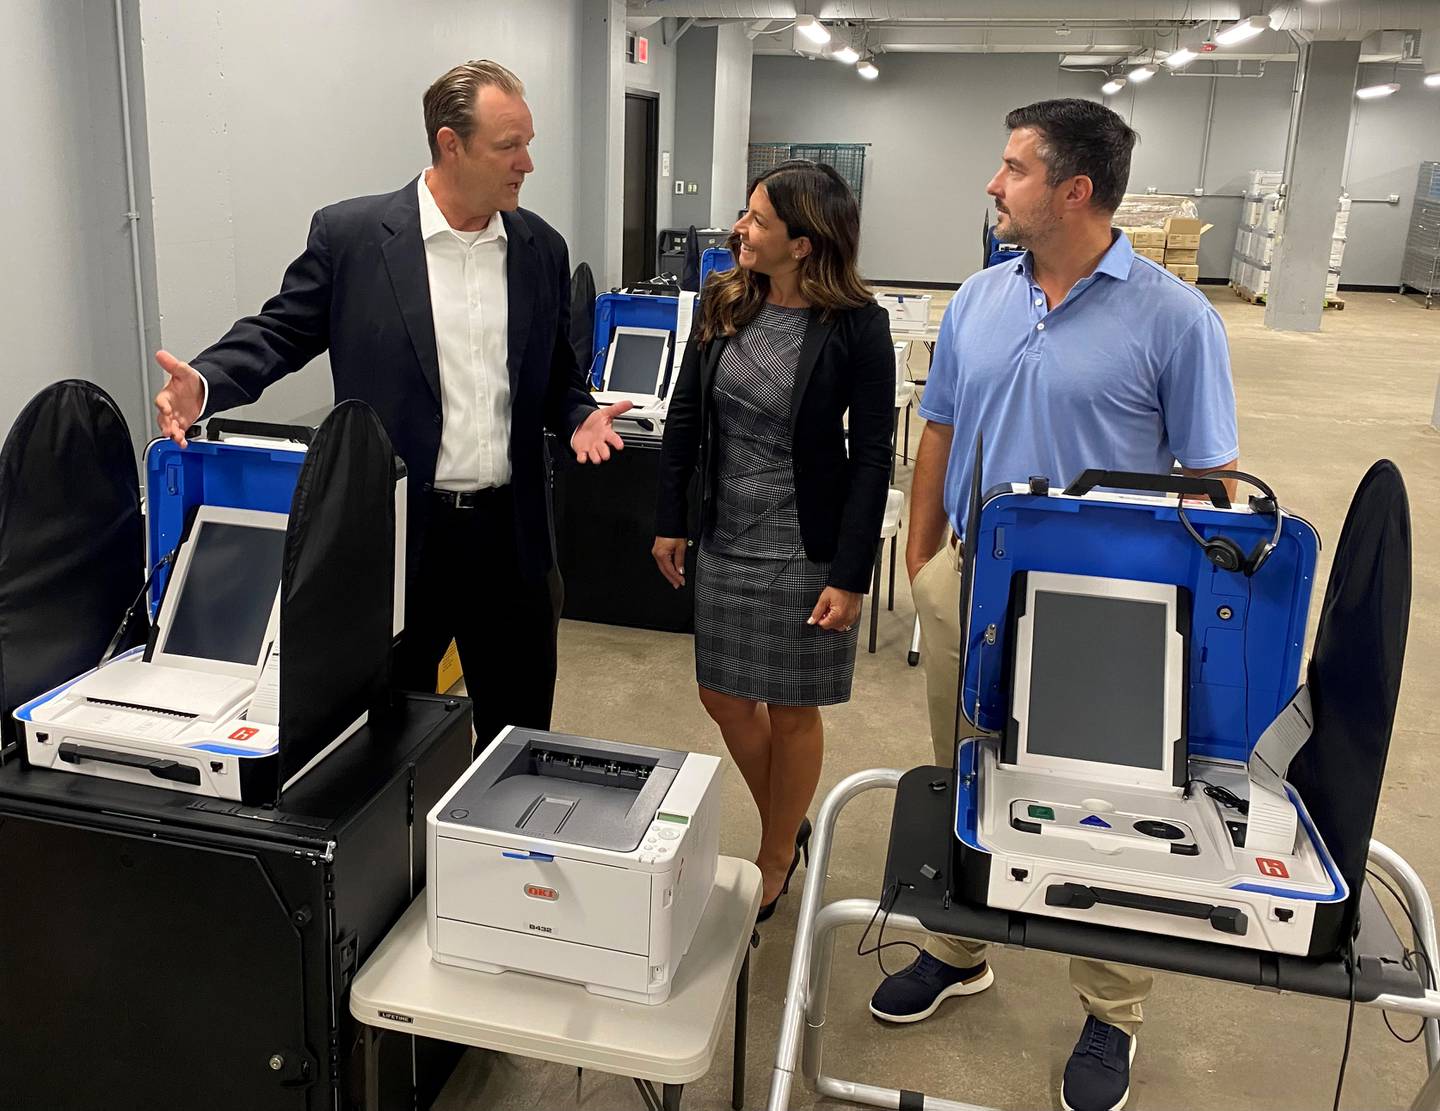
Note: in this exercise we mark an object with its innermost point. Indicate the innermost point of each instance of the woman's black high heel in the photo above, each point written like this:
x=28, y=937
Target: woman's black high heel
x=802, y=848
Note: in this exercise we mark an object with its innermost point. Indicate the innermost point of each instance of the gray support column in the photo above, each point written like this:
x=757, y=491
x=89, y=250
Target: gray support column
x=1314, y=166
x=599, y=235
x=734, y=55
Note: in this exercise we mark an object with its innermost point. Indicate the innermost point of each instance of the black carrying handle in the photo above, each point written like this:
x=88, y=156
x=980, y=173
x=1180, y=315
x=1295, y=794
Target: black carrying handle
x=172, y=770
x=1227, y=920
x=215, y=427
x=1183, y=484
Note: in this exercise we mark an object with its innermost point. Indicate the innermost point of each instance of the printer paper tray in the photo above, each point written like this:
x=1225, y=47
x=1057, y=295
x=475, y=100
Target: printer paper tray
x=602, y=971
x=598, y=907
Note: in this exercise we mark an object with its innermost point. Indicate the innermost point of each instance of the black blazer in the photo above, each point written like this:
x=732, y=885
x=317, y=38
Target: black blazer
x=361, y=289
x=846, y=363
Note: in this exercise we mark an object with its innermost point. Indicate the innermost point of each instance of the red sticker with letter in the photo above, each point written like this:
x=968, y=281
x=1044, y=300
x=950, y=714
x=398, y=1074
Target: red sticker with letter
x=243, y=734
x=1270, y=867
x=535, y=891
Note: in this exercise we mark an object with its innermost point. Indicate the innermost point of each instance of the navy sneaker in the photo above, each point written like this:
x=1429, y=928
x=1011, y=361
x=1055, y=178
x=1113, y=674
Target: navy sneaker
x=914, y=993
x=1097, y=1076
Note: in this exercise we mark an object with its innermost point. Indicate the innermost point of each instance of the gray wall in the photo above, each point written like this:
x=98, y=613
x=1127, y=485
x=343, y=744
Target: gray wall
x=658, y=76
x=1391, y=138
x=1252, y=116
x=935, y=123
x=67, y=307
x=252, y=128
x=694, y=124
x=600, y=140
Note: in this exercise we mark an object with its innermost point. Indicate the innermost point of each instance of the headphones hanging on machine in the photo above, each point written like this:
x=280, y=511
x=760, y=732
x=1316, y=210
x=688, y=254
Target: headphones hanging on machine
x=1226, y=553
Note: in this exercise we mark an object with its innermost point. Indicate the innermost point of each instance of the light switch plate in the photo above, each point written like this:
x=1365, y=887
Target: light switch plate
x=692, y=187
x=679, y=188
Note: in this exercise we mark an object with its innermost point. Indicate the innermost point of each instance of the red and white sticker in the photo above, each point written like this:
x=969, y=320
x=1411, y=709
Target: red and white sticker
x=1275, y=868
x=535, y=891
x=244, y=733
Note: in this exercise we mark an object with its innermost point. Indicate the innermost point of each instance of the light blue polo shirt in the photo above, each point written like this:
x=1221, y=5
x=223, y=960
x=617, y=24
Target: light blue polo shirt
x=1131, y=372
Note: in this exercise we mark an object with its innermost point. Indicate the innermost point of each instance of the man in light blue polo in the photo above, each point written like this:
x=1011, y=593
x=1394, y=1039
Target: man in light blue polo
x=1078, y=354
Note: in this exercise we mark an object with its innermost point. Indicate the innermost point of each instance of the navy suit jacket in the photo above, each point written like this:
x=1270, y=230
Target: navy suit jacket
x=361, y=289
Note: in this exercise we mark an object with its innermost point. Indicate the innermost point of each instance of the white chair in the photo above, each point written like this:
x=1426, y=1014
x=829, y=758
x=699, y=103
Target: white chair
x=904, y=399
x=889, y=530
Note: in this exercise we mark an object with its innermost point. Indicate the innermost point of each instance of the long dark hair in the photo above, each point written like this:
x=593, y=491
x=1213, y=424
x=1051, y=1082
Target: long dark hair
x=812, y=200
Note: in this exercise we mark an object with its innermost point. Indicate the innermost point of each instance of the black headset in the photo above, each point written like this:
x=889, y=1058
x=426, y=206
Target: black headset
x=1225, y=553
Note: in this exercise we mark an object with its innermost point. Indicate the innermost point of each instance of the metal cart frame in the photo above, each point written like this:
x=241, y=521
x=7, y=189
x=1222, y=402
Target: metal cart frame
x=802, y=1023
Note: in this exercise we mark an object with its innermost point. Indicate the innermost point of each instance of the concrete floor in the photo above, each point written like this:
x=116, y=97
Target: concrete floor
x=1315, y=411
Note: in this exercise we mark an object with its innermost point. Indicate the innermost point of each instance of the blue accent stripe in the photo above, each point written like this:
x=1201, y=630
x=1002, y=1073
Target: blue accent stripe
x=231, y=750
x=527, y=856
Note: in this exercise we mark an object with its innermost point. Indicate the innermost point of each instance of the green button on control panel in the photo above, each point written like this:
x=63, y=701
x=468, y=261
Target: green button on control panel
x=1044, y=813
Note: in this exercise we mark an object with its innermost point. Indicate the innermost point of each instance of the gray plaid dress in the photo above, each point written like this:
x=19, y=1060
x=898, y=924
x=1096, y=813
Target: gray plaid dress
x=754, y=586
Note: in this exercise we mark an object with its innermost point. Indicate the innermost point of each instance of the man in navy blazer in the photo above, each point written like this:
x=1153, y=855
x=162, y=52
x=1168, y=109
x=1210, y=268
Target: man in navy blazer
x=445, y=306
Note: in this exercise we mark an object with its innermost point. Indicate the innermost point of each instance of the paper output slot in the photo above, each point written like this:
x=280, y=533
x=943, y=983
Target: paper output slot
x=141, y=707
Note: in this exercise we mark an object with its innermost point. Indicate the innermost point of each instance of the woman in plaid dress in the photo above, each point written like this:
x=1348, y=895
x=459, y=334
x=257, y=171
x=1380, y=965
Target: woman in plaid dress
x=784, y=346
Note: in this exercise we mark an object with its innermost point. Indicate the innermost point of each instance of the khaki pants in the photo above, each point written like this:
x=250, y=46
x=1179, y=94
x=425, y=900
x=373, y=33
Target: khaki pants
x=1111, y=992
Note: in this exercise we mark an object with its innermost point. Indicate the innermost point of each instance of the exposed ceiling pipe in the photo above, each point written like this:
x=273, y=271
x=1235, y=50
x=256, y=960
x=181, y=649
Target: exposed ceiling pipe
x=1238, y=72
x=748, y=10
x=1130, y=11
x=1338, y=19
x=1073, y=10
x=1351, y=19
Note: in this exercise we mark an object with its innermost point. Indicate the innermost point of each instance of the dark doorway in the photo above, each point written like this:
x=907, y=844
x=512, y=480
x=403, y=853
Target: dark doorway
x=642, y=155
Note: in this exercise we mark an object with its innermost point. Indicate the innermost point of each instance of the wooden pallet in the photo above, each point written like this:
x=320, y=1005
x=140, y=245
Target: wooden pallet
x=1260, y=298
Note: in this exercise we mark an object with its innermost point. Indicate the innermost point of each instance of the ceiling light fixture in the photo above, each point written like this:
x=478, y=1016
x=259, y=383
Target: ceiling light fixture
x=1178, y=59
x=1113, y=86
x=1432, y=80
x=867, y=68
x=812, y=29
x=1375, y=92
x=1242, y=30
x=1145, y=72
x=846, y=54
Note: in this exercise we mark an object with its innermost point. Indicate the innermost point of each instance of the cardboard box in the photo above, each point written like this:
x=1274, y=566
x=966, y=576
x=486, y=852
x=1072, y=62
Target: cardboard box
x=1182, y=241
x=1154, y=254
x=1146, y=237
x=1183, y=225
x=449, y=673
x=1181, y=258
x=1185, y=273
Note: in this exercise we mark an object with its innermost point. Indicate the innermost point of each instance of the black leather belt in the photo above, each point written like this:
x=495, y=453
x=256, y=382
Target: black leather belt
x=467, y=499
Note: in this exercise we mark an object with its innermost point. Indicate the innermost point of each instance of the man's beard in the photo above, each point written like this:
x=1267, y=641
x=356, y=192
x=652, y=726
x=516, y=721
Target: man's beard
x=1032, y=230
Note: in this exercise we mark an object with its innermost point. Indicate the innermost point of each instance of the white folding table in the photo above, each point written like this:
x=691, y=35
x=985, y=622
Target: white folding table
x=400, y=989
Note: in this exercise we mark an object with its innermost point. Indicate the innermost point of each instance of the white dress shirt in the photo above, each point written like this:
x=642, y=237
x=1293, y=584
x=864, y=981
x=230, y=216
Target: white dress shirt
x=469, y=301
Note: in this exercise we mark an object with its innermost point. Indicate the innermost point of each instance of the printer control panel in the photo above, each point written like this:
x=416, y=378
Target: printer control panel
x=662, y=838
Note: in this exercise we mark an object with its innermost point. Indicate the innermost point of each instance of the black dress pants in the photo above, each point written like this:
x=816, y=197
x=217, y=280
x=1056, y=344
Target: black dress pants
x=469, y=585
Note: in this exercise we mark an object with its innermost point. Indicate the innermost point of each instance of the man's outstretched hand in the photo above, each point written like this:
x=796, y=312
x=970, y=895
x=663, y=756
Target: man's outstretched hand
x=178, y=404
x=593, y=439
